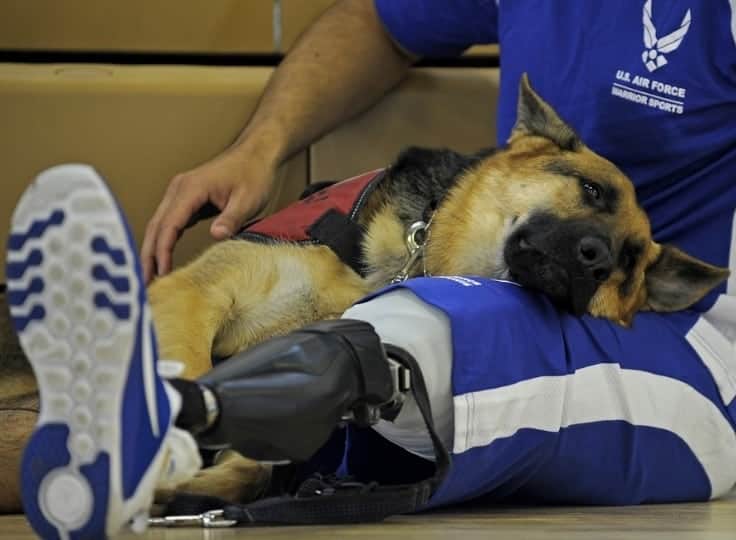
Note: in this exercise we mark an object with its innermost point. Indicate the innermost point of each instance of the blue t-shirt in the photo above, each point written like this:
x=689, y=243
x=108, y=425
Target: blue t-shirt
x=648, y=84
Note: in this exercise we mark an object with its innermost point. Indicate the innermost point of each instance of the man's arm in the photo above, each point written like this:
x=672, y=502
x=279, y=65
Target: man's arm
x=345, y=62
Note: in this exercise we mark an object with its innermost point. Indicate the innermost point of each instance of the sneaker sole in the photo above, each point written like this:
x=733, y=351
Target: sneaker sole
x=74, y=291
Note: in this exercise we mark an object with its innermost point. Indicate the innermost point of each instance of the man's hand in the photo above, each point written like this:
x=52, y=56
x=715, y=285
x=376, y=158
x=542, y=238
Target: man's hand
x=236, y=182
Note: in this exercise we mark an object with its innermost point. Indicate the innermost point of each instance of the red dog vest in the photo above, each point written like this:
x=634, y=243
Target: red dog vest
x=328, y=217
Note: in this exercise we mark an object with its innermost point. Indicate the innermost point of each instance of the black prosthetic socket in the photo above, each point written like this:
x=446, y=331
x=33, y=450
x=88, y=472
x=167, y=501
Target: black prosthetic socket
x=282, y=399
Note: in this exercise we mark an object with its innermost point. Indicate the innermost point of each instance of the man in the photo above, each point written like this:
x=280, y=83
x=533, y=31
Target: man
x=648, y=85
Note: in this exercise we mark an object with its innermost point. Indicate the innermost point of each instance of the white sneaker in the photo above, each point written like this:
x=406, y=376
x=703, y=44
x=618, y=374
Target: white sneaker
x=78, y=302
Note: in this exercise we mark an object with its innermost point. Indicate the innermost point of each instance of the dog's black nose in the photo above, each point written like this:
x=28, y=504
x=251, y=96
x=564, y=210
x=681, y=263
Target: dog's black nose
x=595, y=256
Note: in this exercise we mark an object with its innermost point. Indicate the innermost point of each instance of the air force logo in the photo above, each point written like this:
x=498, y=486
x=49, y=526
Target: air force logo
x=653, y=57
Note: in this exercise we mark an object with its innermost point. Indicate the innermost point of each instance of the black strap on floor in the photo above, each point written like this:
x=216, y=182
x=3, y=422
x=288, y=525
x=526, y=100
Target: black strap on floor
x=325, y=500
x=328, y=499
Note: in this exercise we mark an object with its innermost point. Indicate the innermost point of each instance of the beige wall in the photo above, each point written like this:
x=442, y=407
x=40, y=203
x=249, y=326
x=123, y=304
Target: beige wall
x=138, y=126
x=210, y=26
x=137, y=25
x=205, y=26
x=436, y=107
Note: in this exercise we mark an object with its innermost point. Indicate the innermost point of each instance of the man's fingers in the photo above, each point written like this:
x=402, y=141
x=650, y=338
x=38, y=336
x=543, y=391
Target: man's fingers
x=182, y=199
x=150, y=238
x=148, y=262
x=165, y=241
x=148, y=250
x=233, y=216
x=173, y=224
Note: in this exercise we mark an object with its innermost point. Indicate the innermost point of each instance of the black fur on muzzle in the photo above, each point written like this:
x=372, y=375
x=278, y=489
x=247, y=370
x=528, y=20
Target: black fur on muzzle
x=567, y=259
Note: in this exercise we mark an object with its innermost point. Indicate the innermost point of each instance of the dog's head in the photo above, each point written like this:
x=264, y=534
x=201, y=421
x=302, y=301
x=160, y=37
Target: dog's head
x=570, y=225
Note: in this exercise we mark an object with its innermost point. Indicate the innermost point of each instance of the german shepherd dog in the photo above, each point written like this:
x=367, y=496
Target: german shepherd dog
x=544, y=211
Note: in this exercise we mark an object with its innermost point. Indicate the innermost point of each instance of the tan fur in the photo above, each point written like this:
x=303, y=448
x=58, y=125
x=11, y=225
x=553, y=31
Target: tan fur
x=384, y=247
x=231, y=298
x=232, y=477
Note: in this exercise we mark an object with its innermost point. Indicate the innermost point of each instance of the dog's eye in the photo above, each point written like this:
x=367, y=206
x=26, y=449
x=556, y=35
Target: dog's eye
x=592, y=189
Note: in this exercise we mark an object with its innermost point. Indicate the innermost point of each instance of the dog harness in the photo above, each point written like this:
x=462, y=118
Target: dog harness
x=328, y=216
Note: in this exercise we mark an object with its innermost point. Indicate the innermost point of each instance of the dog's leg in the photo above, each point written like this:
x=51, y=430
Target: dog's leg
x=294, y=286
x=232, y=477
x=187, y=315
x=239, y=293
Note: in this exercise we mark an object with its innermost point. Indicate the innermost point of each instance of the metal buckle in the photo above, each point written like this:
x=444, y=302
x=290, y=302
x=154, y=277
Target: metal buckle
x=401, y=376
x=412, y=236
x=415, y=239
x=209, y=520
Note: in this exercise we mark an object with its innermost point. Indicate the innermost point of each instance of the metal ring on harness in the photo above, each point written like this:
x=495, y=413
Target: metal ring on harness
x=413, y=233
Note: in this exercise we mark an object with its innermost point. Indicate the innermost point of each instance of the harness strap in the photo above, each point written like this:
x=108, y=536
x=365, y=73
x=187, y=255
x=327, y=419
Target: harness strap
x=342, y=235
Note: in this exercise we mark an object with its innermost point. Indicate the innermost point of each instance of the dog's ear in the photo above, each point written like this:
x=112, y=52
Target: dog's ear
x=534, y=116
x=675, y=280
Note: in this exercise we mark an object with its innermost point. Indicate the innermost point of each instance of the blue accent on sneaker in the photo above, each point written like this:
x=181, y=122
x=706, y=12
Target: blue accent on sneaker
x=98, y=477
x=36, y=230
x=37, y=463
x=138, y=445
x=120, y=284
x=37, y=313
x=17, y=297
x=100, y=245
x=121, y=311
x=16, y=270
x=142, y=442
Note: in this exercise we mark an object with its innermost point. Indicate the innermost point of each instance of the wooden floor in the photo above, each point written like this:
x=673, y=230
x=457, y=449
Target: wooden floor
x=708, y=521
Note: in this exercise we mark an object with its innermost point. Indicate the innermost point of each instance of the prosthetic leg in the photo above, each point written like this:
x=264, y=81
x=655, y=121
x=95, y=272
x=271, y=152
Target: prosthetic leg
x=280, y=402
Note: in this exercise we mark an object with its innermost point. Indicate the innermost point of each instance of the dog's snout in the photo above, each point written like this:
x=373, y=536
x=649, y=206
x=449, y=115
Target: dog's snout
x=591, y=250
x=595, y=256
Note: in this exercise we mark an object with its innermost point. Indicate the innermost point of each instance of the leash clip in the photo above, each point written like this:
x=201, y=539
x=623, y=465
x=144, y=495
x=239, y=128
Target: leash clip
x=214, y=519
x=416, y=237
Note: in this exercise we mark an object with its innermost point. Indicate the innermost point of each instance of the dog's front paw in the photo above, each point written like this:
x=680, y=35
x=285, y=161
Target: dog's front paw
x=232, y=477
